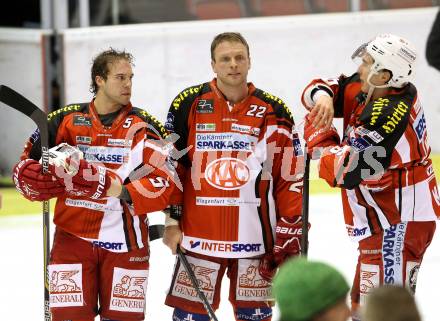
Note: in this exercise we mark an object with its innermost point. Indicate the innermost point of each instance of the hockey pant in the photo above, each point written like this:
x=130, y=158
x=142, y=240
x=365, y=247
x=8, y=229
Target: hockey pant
x=249, y=294
x=391, y=257
x=80, y=273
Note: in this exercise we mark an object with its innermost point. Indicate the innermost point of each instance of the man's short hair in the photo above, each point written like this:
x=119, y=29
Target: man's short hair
x=228, y=36
x=391, y=303
x=100, y=65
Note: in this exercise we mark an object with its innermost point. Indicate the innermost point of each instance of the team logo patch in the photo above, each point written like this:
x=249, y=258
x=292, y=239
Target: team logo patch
x=368, y=280
x=79, y=120
x=227, y=173
x=205, y=106
x=128, y=290
x=206, y=273
x=65, y=285
x=251, y=286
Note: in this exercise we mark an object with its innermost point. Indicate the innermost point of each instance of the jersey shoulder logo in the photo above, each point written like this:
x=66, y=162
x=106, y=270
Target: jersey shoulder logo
x=65, y=110
x=186, y=95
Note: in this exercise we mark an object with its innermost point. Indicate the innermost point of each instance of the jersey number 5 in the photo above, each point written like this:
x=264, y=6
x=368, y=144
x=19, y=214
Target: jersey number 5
x=256, y=111
x=127, y=123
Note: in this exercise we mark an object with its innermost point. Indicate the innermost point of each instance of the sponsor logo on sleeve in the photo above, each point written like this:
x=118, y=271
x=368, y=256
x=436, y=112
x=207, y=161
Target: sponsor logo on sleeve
x=362, y=131
x=360, y=144
x=377, y=109
x=420, y=126
x=375, y=136
x=65, y=285
x=396, y=117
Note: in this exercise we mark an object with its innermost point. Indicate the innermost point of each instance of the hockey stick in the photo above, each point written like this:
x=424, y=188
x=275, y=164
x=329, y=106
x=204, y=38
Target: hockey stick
x=305, y=205
x=195, y=284
x=20, y=103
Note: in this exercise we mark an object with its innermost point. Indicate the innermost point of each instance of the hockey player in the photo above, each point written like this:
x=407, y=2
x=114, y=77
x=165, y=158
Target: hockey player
x=240, y=186
x=389, y=191
x=100, y=250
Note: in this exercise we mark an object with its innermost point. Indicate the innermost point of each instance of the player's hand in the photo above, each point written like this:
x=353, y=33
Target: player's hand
x=267, y=267
x=322, y=113
x=318, y=138
x=32, y=184
x=79, y=177
x=287, y=243
x=172, y=237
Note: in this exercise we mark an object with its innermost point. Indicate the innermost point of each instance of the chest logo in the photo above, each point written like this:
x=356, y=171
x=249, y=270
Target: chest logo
x=79, y=120
x=227, y=173
x=205, y=106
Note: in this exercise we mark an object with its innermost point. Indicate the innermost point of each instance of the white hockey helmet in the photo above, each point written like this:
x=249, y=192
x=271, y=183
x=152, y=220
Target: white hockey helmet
x=392, y=53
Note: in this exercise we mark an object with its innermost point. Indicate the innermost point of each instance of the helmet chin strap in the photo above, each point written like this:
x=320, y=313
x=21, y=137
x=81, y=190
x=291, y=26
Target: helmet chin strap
x=373, y=87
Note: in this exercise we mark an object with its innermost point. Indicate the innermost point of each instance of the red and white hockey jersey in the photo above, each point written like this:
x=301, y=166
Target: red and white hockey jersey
x=383, y=164
x=242, y=169
x=129, y=144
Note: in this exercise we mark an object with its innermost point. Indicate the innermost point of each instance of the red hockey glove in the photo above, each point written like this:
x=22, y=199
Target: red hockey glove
x=287, y=243
x=316, y=138
x=79, y=177
x=32, y=184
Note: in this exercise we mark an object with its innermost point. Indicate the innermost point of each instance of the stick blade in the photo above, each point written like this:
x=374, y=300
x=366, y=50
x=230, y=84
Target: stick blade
x=17, y=101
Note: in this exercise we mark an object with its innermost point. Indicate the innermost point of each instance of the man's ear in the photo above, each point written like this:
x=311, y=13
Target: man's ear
x=99, y=80
x=213, y=66
x=385, y=76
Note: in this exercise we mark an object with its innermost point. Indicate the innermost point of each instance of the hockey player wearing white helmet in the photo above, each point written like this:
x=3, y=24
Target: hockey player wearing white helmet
x=382, y=164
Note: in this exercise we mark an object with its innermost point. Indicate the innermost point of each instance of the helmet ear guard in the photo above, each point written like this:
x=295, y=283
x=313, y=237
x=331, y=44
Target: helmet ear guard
x=392, y=53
